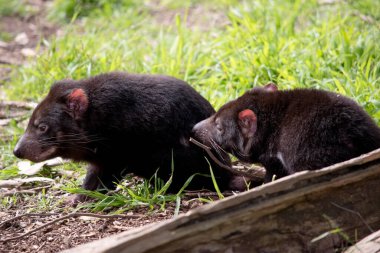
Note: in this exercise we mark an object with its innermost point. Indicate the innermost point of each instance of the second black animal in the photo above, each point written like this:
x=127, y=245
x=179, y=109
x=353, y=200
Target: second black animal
x=290, y=131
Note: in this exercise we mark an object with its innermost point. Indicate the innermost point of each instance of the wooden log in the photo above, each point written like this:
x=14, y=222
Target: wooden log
x=370, y=244
x=311, y=211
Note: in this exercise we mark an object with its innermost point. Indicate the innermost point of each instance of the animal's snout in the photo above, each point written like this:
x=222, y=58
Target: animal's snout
x=201, y=131
x=17, y=151
x=198, y=128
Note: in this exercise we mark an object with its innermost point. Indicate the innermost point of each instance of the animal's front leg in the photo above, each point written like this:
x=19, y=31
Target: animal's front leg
x=90, y=182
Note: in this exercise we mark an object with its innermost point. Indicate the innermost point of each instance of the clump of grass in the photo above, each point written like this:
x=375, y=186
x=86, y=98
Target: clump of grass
x=8, y=168
x=19, y=8
x=367, y=7
x=145, y=193
x=9, y=8
x=151, y=194
x=68, y=10
x=5, y=36
x=334, y=231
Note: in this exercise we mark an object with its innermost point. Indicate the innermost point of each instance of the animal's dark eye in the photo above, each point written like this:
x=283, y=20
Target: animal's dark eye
x=218, y=126
x=42, y=128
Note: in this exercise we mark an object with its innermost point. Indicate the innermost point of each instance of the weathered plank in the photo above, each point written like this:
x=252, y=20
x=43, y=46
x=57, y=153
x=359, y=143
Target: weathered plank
x=282, y=216
x=370, y=244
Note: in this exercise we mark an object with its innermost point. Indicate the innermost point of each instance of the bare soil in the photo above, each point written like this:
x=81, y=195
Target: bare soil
x=74, y=231
x=23, y=34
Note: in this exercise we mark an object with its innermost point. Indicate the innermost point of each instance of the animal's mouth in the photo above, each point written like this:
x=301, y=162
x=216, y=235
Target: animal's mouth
x=47, y=154
x=211, y=154
x=238, y=154
x=225, y=166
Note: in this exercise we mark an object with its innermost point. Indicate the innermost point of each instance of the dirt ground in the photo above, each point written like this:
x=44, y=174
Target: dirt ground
x=71, y=232
x=24, y=34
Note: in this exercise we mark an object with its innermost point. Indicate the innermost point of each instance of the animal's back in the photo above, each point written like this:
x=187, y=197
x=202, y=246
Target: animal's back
x=149, y=103
x=321, y=128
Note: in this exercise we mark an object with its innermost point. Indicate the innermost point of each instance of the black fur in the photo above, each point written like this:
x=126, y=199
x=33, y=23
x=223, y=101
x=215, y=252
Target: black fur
x=122, y=122
x=302, y=129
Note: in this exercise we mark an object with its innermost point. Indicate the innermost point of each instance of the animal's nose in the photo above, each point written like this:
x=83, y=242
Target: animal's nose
x=196, y=128
x=17, y=150
x=200, y=130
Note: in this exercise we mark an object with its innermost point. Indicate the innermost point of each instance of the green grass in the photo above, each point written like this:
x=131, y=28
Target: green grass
x=8, y=8
x=21, y=8
x=293, y=43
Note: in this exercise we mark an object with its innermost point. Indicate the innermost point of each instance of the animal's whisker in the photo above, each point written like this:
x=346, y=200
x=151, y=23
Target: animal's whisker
x=80, y=148
x=218, y=149
x=218, y=146
x=70, y=139
x=237, y=151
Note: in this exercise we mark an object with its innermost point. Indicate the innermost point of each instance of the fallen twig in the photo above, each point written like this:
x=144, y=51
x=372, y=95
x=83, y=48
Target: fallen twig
x=366, y=18
x=5, y=137
x=71, y=215
x=329, y=2
x=17, y=104
x=356, y=213
x=254, y=175
x=7, y=121
x=17, y=182
x=12, y=193
x=28, y=168
x=206, y=194
x=24, y=191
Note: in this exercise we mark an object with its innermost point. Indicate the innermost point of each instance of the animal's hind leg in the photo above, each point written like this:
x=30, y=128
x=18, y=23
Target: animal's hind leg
x=274, y=170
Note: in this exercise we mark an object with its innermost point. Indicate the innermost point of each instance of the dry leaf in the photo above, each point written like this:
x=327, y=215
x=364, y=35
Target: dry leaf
x=22, y=39
x=26, y=168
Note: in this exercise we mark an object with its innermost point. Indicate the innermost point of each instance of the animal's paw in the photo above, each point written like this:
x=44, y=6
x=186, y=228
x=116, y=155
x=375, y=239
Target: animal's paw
x=74, y=200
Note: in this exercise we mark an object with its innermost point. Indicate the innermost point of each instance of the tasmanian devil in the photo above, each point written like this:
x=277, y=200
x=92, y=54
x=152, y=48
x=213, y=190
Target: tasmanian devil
x=290, y=131
x=122, y=122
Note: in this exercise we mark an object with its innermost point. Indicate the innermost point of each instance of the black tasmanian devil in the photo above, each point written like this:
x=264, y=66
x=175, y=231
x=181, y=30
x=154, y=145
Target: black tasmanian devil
x=290, y=131
x=122, y=122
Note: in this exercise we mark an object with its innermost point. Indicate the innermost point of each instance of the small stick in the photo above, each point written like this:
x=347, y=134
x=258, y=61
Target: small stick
x=24, y=191
x=356, y=213
x=224, y=166
x=205, y=194
x=17, y=104
x=71, y=215
x=12, y=193
x=26, y=215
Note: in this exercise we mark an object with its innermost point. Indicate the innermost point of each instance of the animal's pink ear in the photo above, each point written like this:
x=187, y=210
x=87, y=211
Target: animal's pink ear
x=268, y=88
x=271, y=87
x=77, y=103
x=247, y=122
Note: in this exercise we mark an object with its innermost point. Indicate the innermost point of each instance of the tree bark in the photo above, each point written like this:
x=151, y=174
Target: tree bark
x=370, y=244
x=311, y=211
